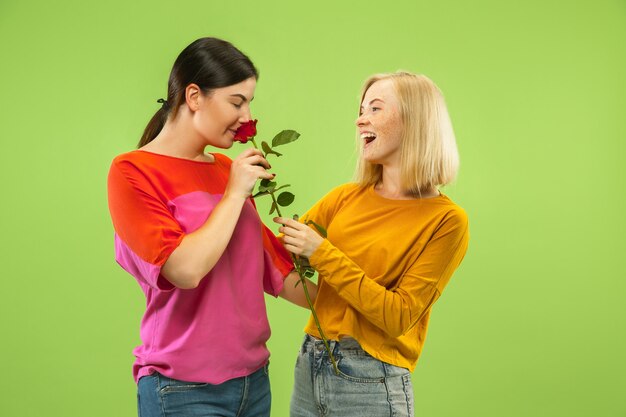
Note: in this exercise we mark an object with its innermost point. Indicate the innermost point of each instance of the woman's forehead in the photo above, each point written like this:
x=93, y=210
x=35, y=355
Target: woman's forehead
x=382, y=90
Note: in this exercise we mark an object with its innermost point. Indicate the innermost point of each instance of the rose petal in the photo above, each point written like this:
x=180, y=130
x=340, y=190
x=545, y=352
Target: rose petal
x=246, y=131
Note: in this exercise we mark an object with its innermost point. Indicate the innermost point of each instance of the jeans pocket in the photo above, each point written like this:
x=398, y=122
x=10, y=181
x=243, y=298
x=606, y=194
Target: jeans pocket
x=169, y=385
x=360, y=368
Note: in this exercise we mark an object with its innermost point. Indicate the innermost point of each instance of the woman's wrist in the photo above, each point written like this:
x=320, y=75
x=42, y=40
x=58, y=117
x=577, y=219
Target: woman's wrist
x=315, y=255
x=230, y=197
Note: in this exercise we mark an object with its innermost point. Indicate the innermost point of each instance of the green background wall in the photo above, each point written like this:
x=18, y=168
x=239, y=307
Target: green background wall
x=532, y=324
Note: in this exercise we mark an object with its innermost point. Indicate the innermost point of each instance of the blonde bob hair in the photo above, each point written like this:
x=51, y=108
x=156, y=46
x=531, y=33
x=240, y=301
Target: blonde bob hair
x=429, y=155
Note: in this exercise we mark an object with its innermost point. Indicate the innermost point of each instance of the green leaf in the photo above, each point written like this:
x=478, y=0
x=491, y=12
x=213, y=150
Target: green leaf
x=284, y=137
x=268, y=150
x=309, y=273
x=319, y=228
x=273, y=207
x=296, y=217
x=285, y=198
x=269, y=186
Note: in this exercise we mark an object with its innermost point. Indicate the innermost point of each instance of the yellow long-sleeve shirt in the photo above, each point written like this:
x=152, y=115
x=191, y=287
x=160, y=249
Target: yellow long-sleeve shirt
x=384, y=263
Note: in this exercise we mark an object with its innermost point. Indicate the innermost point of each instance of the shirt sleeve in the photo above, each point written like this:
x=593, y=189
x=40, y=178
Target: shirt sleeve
x=146, y=233
x=396, y=310
x=278, y=263
x=325, y=209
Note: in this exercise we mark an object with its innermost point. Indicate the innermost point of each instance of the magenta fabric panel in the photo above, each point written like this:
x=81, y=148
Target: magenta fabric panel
x=218, y=330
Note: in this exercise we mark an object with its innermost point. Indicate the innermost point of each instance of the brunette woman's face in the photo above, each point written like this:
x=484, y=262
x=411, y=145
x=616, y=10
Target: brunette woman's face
x=380, y=125
x=221, y=112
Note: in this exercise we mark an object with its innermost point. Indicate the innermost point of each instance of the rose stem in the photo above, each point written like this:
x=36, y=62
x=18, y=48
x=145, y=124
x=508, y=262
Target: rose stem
x=303, y=281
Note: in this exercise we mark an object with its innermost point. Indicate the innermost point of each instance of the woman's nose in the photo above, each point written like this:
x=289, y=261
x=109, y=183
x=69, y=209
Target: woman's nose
x=246, y=115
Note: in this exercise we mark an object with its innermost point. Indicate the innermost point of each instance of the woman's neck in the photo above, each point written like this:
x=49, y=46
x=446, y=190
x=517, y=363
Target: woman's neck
x=178, y=139
x=390, y=186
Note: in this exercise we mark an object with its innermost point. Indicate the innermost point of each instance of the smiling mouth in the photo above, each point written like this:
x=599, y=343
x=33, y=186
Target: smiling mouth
x=368, y=137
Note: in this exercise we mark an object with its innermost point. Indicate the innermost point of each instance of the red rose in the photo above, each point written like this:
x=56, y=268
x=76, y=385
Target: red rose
x=246, y=131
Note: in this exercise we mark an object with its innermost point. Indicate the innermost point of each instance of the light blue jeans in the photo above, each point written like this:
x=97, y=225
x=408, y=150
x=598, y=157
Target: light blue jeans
x=249, y=396
x=365, y=386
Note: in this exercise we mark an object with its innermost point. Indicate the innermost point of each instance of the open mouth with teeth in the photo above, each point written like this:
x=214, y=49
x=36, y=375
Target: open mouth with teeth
x=368, y=137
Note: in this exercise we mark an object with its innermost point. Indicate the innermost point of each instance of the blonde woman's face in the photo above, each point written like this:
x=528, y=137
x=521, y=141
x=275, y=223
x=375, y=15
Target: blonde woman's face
x=379, y=124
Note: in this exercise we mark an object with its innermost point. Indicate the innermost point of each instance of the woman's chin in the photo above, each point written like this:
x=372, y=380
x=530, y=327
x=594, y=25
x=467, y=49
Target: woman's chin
x=223, y=143
x=368, y=157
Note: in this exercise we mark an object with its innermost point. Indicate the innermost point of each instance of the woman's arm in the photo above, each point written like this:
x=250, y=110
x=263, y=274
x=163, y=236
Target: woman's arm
x=293, y=291
x=200, y=250
x=395, y=310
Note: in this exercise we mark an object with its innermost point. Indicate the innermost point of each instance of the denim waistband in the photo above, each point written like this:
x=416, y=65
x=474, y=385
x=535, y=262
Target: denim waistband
x=345, y=344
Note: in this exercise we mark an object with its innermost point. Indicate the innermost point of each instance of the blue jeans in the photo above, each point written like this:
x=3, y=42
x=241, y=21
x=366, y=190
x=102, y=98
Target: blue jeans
x=249, y=396
x=364, y=387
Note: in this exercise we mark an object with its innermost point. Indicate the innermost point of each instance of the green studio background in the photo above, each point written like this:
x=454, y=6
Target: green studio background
x=532, y=324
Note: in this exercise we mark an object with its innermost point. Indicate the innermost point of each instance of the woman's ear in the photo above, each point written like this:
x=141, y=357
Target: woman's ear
x=193, y=96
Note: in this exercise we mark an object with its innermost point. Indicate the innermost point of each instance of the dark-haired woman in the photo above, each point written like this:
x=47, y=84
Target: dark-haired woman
x=187, y=230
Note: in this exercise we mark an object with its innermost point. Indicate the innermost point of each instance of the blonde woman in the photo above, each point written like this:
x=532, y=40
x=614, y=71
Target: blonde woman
x=393, y=242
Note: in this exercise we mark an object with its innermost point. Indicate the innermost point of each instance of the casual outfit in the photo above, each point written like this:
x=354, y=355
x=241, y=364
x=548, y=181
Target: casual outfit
x=216, y=332
x=381, y=268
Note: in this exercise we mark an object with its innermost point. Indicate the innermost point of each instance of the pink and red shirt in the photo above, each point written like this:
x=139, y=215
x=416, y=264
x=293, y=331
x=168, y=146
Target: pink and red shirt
x=217, y=331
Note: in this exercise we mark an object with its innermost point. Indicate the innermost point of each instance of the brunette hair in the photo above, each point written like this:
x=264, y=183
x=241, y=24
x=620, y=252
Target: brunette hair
x=429, y=155
x=208, y=62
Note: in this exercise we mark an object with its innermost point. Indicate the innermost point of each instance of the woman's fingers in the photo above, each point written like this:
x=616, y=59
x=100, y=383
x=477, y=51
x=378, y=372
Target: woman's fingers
x=293, y=240
x=291, y=232
x=301, y=244
x=246, y=170
x=286, y=221
x=256, y=165
x=257, y=160
x=253, y=156
x=298, y=238
x=293, y=249
x=266, y=175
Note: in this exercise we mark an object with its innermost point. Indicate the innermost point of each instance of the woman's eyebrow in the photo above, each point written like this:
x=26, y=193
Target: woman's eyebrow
x=241, y=96
x=376, y=99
